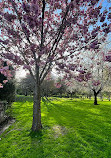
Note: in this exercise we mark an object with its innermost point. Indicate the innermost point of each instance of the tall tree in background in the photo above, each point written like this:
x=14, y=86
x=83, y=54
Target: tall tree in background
x=26, y=86
x=39, y=33
x=94, y=72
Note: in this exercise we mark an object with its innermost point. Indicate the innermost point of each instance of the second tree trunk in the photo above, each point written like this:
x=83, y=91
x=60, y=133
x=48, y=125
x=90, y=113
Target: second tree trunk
x=36, y=124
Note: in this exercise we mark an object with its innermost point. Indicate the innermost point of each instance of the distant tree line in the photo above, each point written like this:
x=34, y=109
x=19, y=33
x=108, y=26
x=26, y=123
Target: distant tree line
x=49, y=89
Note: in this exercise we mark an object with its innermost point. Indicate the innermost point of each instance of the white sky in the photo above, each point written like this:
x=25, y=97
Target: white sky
x=20, y=73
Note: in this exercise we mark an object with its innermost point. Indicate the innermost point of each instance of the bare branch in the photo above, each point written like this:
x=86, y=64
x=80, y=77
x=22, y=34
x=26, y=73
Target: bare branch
x=42, y=30
x=57, y=39
x=14, y=7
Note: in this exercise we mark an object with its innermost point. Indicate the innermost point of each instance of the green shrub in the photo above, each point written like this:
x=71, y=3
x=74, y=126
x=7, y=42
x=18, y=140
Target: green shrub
x=7, y=93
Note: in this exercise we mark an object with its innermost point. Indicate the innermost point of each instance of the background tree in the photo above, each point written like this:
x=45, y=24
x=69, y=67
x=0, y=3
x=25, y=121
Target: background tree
x=77, y=89
x=39, y=33
x=94, y=72
x=48, y=88
x=25, y=86
x=61, y=87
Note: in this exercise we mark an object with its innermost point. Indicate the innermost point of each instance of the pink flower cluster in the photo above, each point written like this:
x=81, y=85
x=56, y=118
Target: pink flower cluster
x=96, y=83
x=57, y=85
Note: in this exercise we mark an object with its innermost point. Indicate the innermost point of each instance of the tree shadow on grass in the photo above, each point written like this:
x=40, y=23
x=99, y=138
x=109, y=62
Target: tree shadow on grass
x=65, y=113
x=87, y=129
x=35, y=149
x=23, y=98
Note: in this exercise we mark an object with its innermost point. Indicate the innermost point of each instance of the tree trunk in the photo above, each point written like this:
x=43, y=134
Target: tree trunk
x=95, y=99
x=95, y=95
x=109, y=98
x=71, y=95
x=60, y=95
x=36, y=124
x=90, y=97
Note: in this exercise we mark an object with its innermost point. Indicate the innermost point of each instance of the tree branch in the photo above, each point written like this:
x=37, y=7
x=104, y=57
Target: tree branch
x=46, y=72
x=42, y=31
x=57, y=39
x=22, y=27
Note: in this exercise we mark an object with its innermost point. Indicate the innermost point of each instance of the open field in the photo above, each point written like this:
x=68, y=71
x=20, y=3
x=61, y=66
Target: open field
x=71, y=129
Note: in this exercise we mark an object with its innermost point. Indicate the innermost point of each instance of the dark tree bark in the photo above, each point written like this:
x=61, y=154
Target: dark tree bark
x=95, y=98
x=67, y=95
x=36, y=124
x=95, y=95
x=109, y=97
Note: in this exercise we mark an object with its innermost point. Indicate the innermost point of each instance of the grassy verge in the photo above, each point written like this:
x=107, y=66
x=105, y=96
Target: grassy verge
x=71, y=129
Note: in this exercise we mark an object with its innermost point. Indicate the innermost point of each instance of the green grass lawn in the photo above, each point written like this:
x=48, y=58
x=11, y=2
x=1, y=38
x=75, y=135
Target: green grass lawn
x=71, y=129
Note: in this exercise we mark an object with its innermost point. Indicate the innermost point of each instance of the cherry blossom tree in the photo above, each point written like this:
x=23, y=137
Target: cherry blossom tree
x=94, y=72
x=107, y=88
x=39, y=34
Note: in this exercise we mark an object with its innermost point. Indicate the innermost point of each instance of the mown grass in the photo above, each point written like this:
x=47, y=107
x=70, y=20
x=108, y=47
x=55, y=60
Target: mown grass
x=71, y=129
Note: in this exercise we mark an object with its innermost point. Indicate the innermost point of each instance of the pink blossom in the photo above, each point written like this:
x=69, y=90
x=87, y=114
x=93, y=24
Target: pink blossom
x=26, y=67
x=96, y=83
x=1, y=86
x=107, y=57
x=58, y=85
x=5, y=81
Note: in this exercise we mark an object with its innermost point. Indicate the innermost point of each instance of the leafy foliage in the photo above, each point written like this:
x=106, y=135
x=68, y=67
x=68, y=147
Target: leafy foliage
x=7, y=89
x=7, y=93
